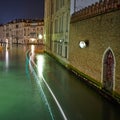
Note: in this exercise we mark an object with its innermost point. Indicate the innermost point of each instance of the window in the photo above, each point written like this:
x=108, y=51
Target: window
x=16, y=26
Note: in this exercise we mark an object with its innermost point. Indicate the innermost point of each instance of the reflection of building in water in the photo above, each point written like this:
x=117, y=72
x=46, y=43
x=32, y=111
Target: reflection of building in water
x=7, y=59
x=22, y=31
x=40, y=64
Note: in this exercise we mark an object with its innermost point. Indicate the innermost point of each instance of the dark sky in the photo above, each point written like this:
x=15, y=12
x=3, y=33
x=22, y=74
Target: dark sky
x=17, y=9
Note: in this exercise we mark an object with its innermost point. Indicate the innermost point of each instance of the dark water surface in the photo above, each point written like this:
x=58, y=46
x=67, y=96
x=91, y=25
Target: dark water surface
x=25, y=96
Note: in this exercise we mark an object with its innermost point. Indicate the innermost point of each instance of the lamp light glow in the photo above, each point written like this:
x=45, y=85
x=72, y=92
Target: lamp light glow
x=32, y=39
x=82, y=44
x=40, y=36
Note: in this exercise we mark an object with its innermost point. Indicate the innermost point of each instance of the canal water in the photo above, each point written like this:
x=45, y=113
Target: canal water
x=19, y=96
x=39, y=88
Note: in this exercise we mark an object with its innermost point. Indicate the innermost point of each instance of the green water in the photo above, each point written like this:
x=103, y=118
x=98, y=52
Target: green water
x=19, y=95
x=25, y=96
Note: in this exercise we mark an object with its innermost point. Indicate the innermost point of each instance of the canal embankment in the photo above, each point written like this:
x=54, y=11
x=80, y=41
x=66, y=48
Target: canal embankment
x=113, y=97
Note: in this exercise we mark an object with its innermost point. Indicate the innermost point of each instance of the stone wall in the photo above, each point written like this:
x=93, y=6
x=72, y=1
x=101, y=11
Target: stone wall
x=102, y=31
x=96, y=9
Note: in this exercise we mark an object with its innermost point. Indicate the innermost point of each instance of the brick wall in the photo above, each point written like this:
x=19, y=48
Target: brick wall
x=102, y=31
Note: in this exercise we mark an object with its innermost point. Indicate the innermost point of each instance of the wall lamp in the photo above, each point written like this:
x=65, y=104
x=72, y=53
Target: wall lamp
x=61, y=40
x=83, y=44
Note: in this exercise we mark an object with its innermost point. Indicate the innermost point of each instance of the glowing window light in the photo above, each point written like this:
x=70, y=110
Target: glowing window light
x=6, y=41
x=32, y=39
x=40, y=36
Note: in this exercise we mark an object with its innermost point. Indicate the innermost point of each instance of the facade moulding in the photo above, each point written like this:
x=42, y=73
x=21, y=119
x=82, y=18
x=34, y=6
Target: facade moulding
x=96, y=9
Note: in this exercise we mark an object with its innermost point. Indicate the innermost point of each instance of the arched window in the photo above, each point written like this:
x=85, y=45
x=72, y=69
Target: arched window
x=108, y=71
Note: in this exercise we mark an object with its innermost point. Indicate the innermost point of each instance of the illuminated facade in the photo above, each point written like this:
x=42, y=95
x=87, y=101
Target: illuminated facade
x=90, y=39
x=1, y=34
x=97, y=58
x=23, y=31
x=57, y=18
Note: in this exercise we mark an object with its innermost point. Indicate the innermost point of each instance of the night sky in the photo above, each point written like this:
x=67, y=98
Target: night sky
x=30, y=9
x=18, y=9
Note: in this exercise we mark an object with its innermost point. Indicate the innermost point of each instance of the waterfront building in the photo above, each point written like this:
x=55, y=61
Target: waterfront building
x=57, y=19
x=91, y=38
x=94, y=45
x=1, y=34
x=23, y=31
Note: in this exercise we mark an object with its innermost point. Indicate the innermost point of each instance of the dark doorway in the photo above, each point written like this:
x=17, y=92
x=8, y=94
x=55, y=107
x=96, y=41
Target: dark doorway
x=108, y=71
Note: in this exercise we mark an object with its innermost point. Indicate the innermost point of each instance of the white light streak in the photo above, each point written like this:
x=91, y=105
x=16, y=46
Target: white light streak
x=48, y=87
x=7, y=58
x=40, y=62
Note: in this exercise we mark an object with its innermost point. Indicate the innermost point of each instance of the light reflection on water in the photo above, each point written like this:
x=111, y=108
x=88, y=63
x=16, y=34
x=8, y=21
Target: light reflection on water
x=6, y=58
x=32, y=49
x=40, y=67
x=37, y=77
x=18, y=101
x=40, y=64
x=21, y=99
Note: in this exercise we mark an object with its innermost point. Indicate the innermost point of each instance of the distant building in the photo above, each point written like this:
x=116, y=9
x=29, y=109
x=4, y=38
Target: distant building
x=23, y=31
x=57, y=19
x=1, y=34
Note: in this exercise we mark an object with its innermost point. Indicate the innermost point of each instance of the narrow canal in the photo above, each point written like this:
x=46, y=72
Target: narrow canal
x=39, y=88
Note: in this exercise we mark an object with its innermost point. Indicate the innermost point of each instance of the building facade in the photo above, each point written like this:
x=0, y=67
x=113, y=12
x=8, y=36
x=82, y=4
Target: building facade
x=1, y=34
x=57, y=18
x=22, y=31
x=94, y=44
x=91, y=40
